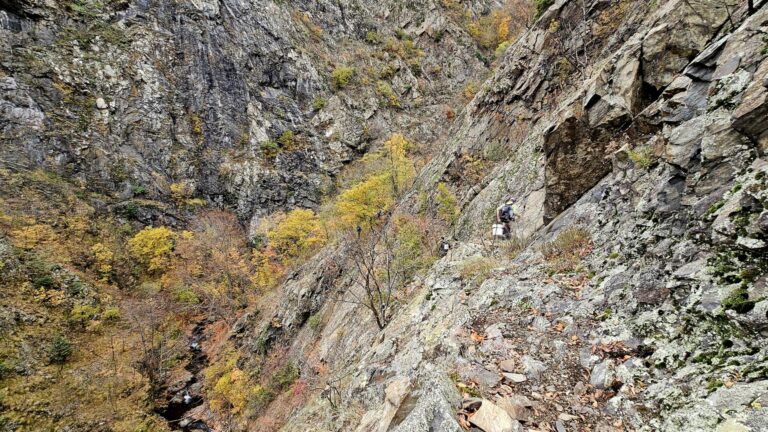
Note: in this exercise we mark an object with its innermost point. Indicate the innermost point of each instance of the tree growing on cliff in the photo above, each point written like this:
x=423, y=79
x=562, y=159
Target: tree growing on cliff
x=299, y=233
x=375, y=279
x=384, y=260
x=389, y=173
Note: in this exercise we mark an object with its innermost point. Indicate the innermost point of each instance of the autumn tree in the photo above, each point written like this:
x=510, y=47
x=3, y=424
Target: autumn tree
x=363, y=203
x=300, y=232
x=502, y=26
x=212, y=259
x=103, y=257
x=388, y=174
x=152, y=247
x=400, y=169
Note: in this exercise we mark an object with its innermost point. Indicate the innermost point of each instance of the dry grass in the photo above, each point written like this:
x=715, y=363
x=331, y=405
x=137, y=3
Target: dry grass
x=566, y=251
x=477, y=269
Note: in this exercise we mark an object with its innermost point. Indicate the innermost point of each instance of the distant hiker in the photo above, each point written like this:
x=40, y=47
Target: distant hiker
x=505, y=215
x=444, y=248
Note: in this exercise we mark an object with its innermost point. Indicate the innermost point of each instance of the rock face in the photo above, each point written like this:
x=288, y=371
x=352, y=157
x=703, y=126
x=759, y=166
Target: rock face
x=655, y=147
x=633, y=134
x=138, y=95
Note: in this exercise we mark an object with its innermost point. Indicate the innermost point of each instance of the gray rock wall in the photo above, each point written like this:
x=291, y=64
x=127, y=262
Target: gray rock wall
x=144, y=94
x=660, y=326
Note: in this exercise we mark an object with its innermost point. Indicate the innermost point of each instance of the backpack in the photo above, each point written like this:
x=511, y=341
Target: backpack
x=507, y=213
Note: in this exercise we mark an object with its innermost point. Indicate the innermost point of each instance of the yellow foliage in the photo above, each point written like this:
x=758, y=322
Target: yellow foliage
x=210, y=263
x=181, y=192
x=492, y=29
x=32, y=236
x=389, y=172
x=502, y=27
x=300, y=232
x=268, y=269
x=76, y=225
x=386, y=91
x=341, y=76
x=470, y=90
x=197, y=123
x=232, y=390
x=103, y=256
x=401, y=169
x=363, y=202
x=152, y=247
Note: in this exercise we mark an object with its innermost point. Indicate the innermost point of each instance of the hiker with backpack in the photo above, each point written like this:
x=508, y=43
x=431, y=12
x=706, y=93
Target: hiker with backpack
x=505, y=215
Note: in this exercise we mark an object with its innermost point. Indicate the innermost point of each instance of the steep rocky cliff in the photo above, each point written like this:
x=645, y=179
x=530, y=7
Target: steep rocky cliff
x=633, y=135
x=653, y=146
x=127, y=96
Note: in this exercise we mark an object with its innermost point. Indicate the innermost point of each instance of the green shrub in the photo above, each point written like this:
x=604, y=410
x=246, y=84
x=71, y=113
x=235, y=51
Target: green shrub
x=540, y=6
x=139, y=190
x=5, y=369
x=60, y=350
x=44, y=281
x=714, y=208
x=111, y=314
x=314, y=321
x=411, y=248
x=270, y=150
x=81, y=314
x=447, y=204
x=85, y=8
x=287, y=140
x=130, y=210
x=285, y=376
x=642, y=157
x=341, y=76
x=389, y=95
x=403, y=35
x=318, y=103
x=187, y=296
x=738, y=300
x=501, y=48
x=372, y=37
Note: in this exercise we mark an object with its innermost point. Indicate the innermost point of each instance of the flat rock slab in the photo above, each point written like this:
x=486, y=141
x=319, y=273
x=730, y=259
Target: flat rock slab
x=491, y=418
x=515, y=377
